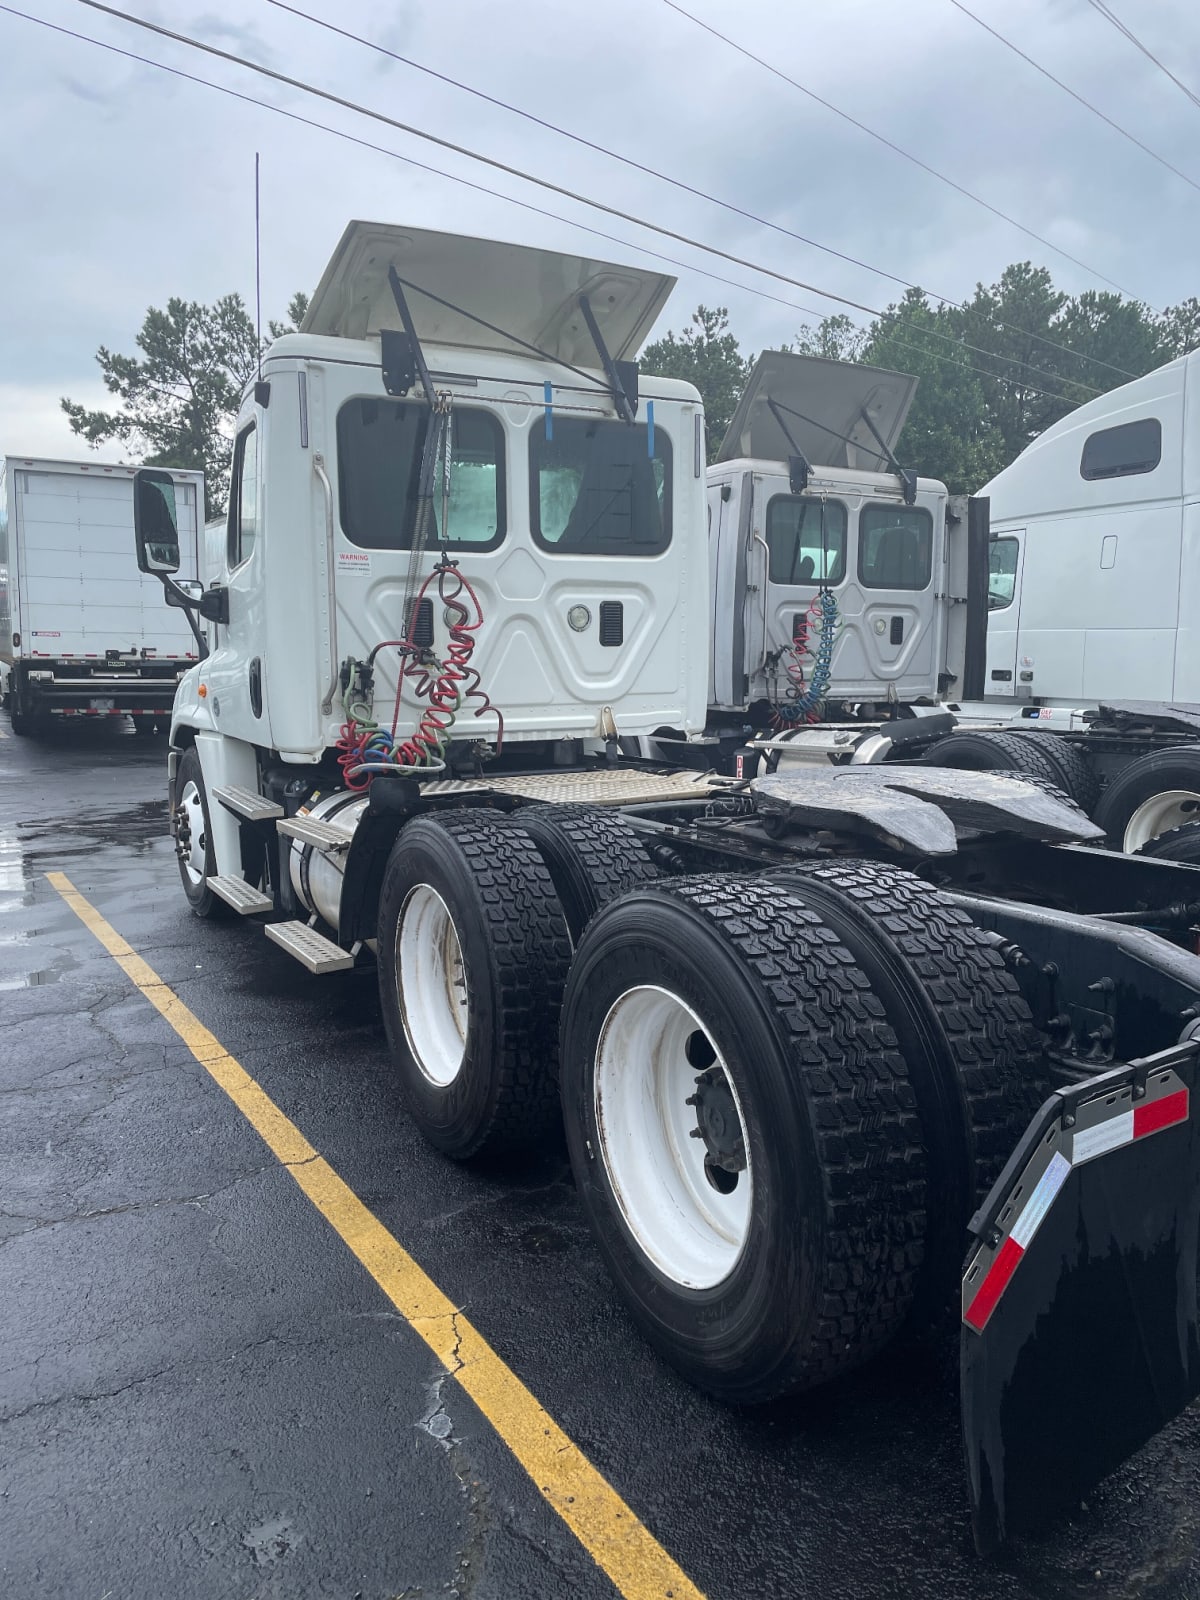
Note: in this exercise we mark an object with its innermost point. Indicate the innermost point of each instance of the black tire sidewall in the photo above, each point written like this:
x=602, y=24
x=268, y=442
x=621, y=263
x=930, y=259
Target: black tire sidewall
x=447, y=1114
x=767, y=1304
x=199, y=896
x=1147, y=776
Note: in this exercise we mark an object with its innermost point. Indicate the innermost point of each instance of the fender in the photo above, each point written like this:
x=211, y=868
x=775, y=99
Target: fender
x=392, y=801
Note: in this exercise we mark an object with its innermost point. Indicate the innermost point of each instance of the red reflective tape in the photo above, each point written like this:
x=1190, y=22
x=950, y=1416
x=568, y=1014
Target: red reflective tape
x=994, y=1284
x=1156, y=1114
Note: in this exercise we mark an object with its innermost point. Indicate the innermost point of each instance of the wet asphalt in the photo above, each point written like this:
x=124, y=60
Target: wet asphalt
x=202, y=1394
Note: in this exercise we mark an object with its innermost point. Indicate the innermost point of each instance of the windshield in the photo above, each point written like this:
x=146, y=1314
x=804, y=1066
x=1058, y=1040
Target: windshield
x=595, y=488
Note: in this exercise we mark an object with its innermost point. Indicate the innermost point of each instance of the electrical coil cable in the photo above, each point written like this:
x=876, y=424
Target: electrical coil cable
x=814, y=639
x=364, y=747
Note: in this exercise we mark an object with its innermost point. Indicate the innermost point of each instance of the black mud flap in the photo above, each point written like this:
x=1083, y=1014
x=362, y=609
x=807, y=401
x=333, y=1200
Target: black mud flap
x=1079, y=1336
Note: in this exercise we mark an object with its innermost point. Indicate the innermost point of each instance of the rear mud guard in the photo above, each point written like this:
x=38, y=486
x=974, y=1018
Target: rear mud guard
x=1079, y=1318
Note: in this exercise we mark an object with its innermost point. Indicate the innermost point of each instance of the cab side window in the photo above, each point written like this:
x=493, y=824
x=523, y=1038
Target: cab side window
x=243, y=498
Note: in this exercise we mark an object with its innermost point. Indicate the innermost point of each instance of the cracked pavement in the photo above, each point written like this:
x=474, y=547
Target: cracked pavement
x=202, y=1393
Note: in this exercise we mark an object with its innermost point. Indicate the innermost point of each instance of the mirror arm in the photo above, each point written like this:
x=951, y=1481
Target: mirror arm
x=213, y=604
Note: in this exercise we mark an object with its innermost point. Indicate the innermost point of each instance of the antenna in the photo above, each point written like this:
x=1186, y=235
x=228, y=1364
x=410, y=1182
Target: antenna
x=262, y=391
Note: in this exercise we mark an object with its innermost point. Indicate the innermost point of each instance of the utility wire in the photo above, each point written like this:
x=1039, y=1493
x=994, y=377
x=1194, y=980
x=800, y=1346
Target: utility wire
x=1087, y=104
x=1110, y=15
x=555, y=188
x=554, y=216
x=677, y=183
x=889, y=144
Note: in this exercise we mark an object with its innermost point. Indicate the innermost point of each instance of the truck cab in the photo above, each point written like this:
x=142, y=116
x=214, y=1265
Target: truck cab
x=567, y=522
x=804, y=499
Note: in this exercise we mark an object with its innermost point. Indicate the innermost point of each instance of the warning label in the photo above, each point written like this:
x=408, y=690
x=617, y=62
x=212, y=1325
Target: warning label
x=356, y=563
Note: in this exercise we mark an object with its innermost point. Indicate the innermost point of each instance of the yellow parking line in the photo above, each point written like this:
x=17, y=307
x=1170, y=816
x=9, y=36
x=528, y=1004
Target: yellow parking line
x=608, y=1530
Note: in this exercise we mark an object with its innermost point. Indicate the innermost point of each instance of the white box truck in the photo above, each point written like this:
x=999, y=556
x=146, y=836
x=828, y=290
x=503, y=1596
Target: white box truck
x=82, y=631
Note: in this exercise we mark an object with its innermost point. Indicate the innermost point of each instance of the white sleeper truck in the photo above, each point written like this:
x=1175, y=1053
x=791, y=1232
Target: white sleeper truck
x=1094, y=581
x=813, y=1036
x=82, y=632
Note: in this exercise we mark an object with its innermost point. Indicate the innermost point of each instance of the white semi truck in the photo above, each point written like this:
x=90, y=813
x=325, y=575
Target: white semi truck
x=82, y=632
x=811, y=1035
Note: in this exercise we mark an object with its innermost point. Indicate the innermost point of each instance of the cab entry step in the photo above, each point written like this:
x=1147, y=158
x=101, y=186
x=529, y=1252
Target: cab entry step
x=246, y=900
x=313, y=950
x=323, y=835
x=245, y=803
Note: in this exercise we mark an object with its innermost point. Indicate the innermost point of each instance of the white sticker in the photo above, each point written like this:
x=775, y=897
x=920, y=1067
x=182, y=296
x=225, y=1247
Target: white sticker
x=355, y=562
x=46, y=633
x=1108, y=1135
x=1039, y=1202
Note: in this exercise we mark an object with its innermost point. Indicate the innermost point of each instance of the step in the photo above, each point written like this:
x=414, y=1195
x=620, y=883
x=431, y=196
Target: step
x=245, y=899
x=321, y=834
x=312, y=949
x=245, y=803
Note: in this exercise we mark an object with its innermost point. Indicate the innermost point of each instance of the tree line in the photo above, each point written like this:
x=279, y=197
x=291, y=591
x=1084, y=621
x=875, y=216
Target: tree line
x=994, y=372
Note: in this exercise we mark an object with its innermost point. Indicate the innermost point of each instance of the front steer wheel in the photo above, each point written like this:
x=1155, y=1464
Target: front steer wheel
x=192, y=829
x=743, y=1134
x=473, y=955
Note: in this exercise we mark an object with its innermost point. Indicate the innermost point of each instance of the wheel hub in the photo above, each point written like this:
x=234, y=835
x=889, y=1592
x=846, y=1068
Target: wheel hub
x=717, y=1121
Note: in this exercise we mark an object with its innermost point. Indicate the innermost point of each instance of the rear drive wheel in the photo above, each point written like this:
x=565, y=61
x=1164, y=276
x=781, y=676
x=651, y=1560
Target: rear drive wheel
x=473, y=955
x=22, y=723
x=1180, y=844
x=593, y=855
x=193, y=837
x=743, y=1135
x=1075, y=772
x=966, y=1034
x=1153, y=795
x=994, y=752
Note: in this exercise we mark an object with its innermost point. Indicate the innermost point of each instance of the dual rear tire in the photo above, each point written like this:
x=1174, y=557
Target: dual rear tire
x=781, y=1095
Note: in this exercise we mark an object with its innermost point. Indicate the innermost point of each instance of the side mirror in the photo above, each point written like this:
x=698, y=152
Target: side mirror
x=155, y=521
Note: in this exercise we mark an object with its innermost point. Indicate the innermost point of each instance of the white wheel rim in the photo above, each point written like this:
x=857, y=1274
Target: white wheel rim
x=1162, y=812
x=431, y=981
x=196, y=859
x=693, y=1233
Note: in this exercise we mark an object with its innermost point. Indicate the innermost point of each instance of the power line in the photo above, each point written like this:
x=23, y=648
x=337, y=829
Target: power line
x=890, y=144
x=1087, y=104
x=1110, y=15
x=526, y=205
x=677, y=183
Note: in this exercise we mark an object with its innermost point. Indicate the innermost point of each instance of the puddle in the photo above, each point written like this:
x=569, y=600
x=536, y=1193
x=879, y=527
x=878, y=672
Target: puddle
x=31, y=980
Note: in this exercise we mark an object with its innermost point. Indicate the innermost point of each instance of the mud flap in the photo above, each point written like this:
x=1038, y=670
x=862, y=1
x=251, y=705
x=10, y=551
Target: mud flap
x=1079, y=1318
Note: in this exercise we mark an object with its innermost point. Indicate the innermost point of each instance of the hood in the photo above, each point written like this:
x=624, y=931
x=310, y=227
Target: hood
x=834, y=396
x=530, y=294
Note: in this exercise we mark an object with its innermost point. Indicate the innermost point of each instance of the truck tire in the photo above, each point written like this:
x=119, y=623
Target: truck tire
x=192, y=830
x=781, y=1246
x=993, y=752
x=1155, y=794
x=473, y=954
x=974, y=1058
x=1179, y=844
x=22, y=723
x=1076, y=774
x=592, y=853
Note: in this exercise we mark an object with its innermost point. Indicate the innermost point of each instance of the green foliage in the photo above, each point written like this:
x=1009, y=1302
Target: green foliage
x=180, y=400
x=1000, y=369
x=705, y=354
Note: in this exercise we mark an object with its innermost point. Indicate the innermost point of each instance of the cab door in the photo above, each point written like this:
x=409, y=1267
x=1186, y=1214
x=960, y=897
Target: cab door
x=1006, y=560
x=233, y=673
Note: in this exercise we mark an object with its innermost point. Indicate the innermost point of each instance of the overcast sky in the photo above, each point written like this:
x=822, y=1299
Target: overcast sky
x=124, y=186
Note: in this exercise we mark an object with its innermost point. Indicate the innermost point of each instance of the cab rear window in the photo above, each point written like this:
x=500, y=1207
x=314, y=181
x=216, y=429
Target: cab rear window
x=379, y=463
x=600, y=488
x=895, y=547
x=806, y=538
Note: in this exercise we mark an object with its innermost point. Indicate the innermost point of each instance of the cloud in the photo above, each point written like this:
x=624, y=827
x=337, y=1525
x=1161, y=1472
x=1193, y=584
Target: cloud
x=133, y=185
